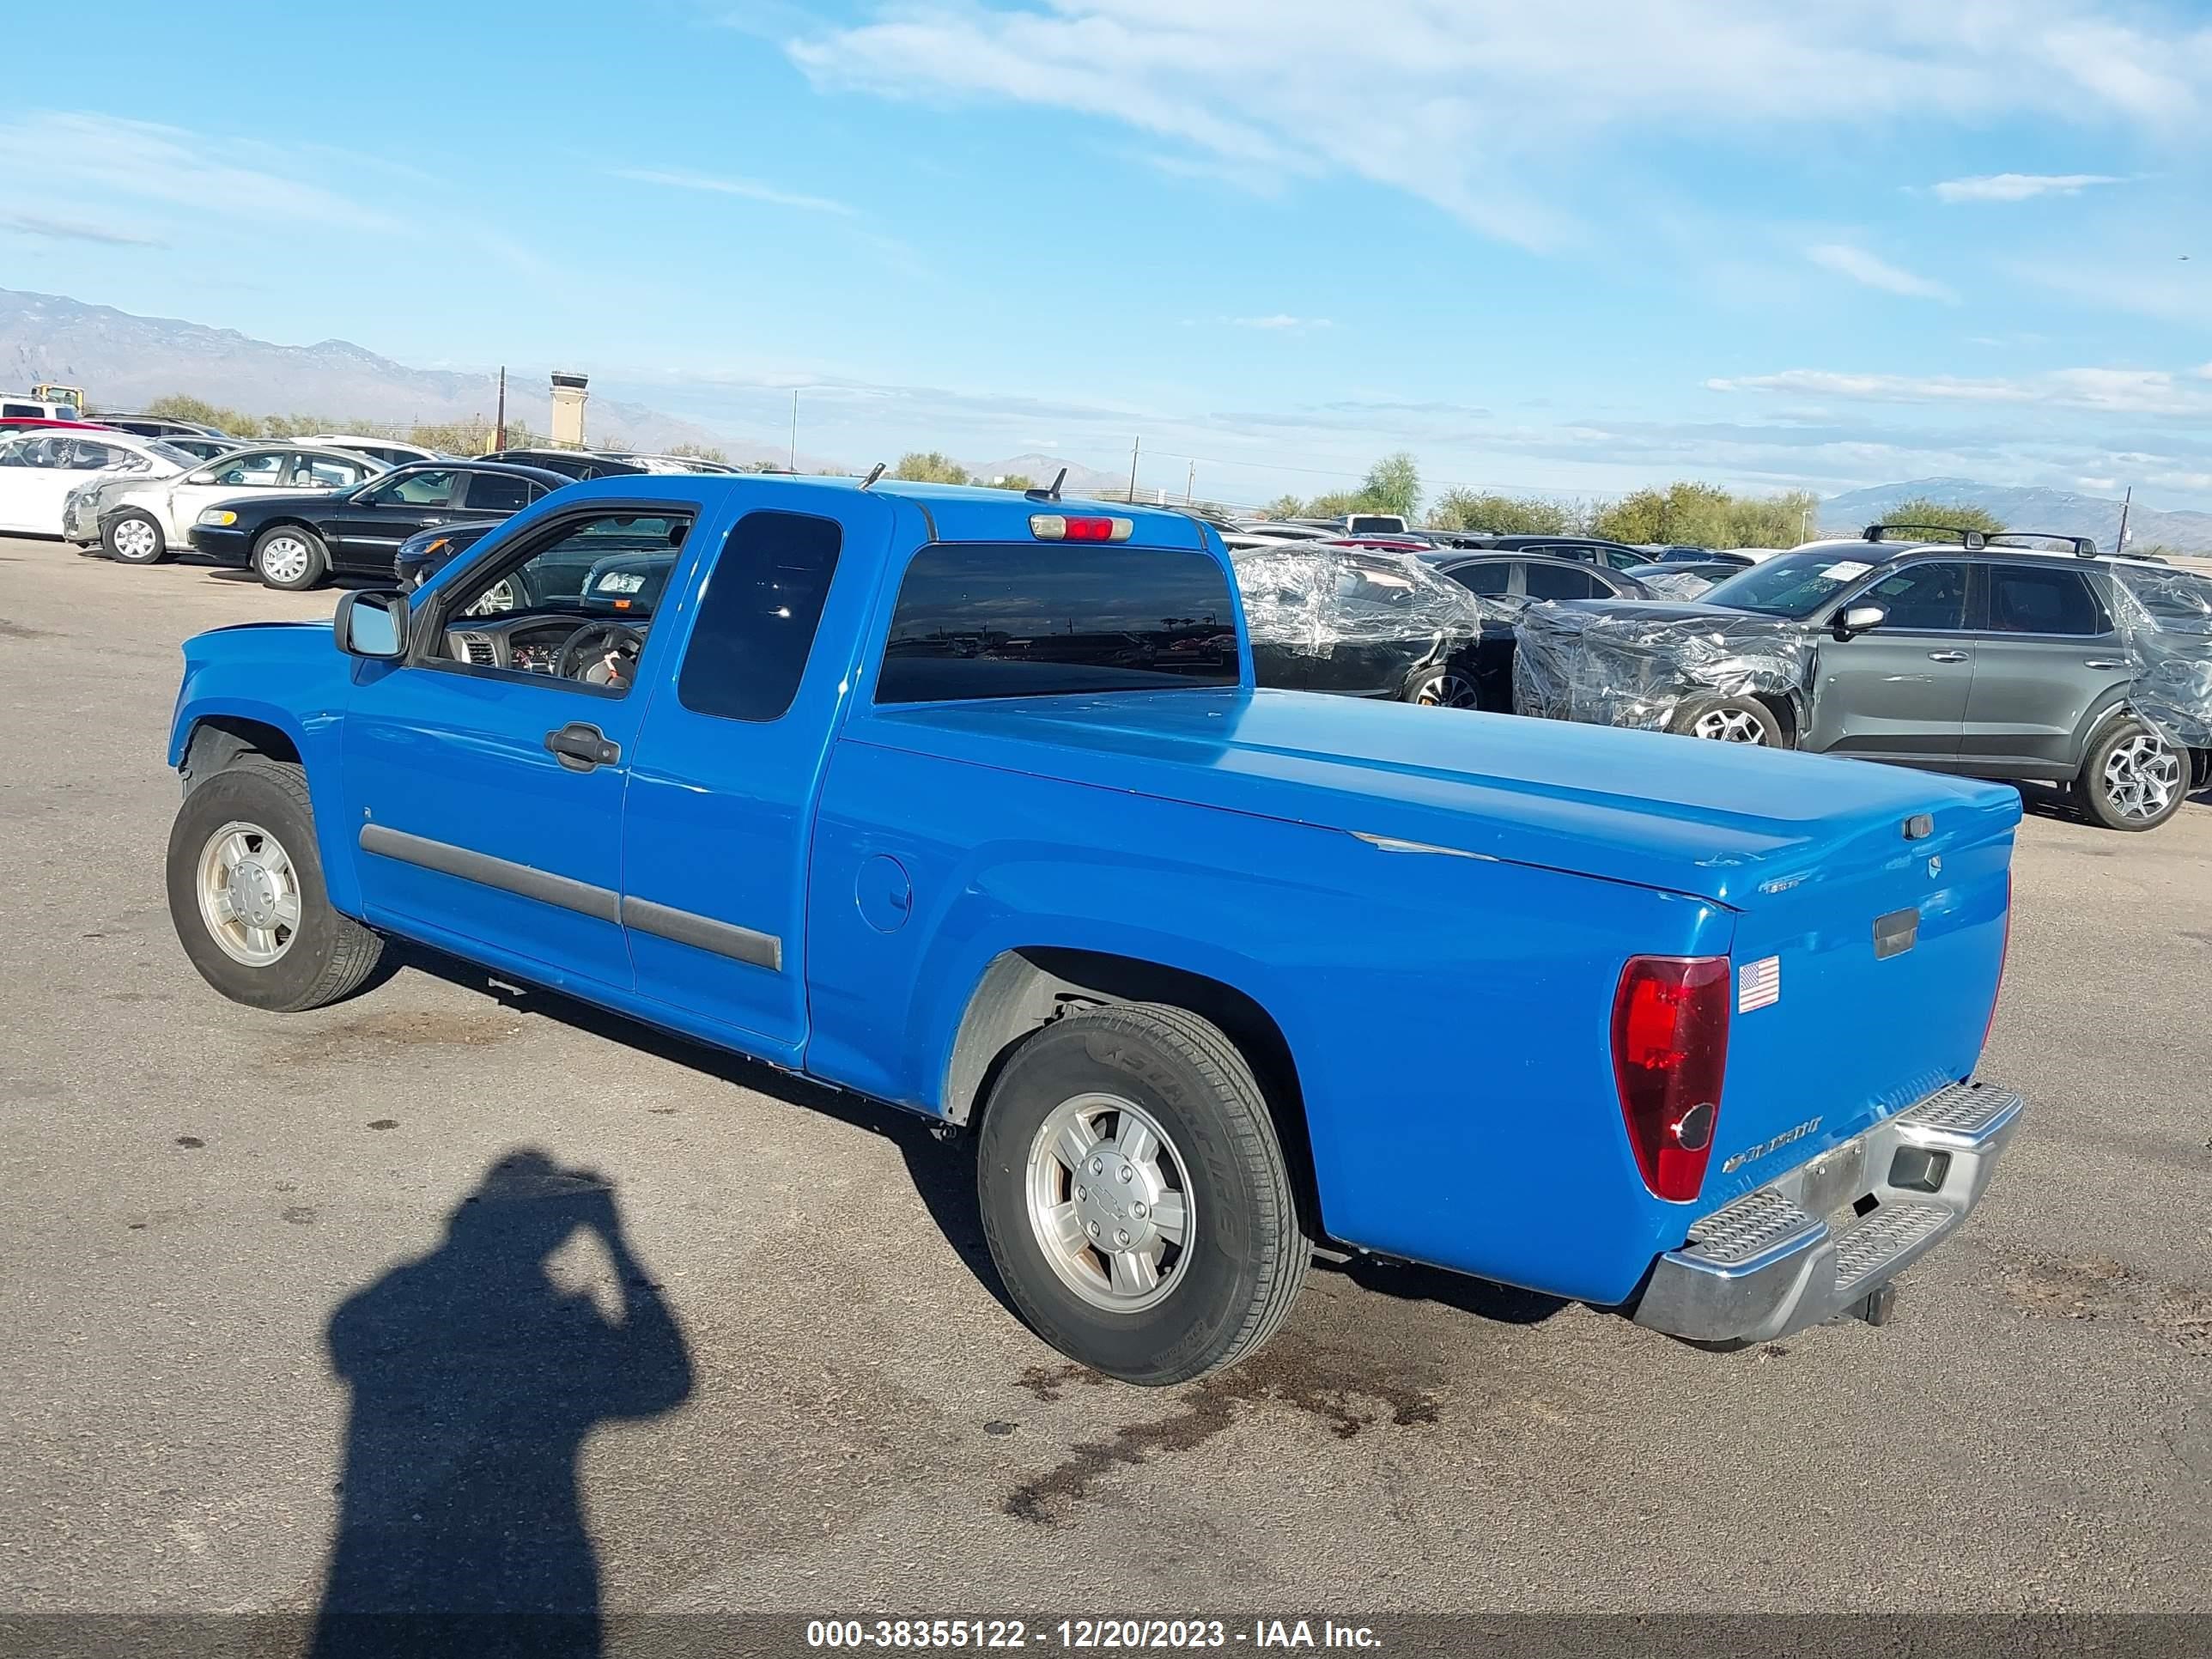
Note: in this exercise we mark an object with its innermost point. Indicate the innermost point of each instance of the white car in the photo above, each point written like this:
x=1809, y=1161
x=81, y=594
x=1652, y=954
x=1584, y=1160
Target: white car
x=142, y=520
x=39, y=469
x=390, y=451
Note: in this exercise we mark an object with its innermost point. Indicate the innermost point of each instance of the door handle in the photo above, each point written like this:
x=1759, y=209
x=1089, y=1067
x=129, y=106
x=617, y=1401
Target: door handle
x=1947, y=656
x=2102, y=662
x=580, y=747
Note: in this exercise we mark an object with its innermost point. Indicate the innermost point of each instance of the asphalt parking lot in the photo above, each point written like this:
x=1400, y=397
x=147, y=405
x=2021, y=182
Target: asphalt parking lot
x=844, y=1418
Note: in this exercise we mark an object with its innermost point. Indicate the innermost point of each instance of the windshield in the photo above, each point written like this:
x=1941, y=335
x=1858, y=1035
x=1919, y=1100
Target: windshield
x=1795, y=584
x=175, y=457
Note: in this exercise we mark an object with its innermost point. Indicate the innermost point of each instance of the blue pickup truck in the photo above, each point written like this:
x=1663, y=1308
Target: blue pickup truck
x=966, y=801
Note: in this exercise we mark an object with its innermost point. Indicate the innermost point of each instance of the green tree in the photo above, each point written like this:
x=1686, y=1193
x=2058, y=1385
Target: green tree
x=1951, y=515
x=701, y=452
x=919, y=467
x=1013, y=481
x=1283, y=507
x=1334, y=506
x=1393, y=485
x=1467, y=509
x=1705, y=515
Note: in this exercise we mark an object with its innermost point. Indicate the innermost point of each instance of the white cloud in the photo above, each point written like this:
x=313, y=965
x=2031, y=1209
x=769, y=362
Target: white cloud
x=750, y=190
x=1865, y=268
x=2019, y=186
x=77, y=230
x=1282, y=323
x=1480, y=105
x=2103, y=391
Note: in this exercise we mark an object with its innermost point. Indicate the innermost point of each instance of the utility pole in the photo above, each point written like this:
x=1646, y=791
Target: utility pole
x=1135, y=444
x=794, y=428
x=1190, y=484
x=499, y=426
x=2126, y=501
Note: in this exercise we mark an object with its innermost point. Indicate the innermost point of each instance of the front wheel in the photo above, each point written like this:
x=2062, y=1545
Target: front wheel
x=1728, y=719
x=247, y=893
x=291, y=558
x=1135, y=1195
x=134, y=537
x=1442, y=687
x=2132, y=778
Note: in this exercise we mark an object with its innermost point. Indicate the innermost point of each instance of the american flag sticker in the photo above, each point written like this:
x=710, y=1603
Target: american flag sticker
x=1758, y=984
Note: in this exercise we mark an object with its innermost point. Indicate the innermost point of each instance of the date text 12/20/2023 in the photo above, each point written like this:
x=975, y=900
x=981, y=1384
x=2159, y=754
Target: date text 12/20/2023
x=1087, y=1635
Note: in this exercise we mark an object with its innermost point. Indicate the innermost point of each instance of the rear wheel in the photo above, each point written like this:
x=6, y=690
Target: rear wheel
x=247, y=893
x=2132, y=778
x=1728, y=719
x=1442, y=687
x=291, y=558
x=1135, y=1195
x=134, y=537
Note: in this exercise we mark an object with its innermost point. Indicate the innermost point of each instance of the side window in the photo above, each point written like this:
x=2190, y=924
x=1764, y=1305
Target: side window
x=758, y=617
x=17, y=453
x=251, y=471
x=1492, y=576
x=1548, y=581
x=22, y=411
x=1931, y=597
x=2031, y=599
x=431, y=487
x=498, y=492
x=319, y=472
x=85, y=456
x=1579, y=555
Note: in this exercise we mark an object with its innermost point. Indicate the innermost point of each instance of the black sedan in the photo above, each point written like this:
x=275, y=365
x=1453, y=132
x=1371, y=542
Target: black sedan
x=1511, y=579
x=297, y=539
x=571, y=463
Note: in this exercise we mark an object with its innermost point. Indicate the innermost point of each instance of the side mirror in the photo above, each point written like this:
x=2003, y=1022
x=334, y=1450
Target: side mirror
x=206, y=474
x=371, y=625
x=1858, y=619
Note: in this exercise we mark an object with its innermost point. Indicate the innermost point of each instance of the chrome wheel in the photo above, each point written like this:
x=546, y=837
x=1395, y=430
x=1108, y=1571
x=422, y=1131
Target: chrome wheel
x=136, y=540
x=1445, y=689
x=2142, y=776
x=496, y=602
x=249, y=893
x=1110, y=1202
x=1728, y=726
x=284, y=558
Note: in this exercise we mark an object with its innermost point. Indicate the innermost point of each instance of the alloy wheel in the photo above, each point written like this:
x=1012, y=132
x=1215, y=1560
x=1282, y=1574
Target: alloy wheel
x=2142, y=774
x=1110, y=1202
x=1728, y=726
x=1445, y=689
x=249, y=893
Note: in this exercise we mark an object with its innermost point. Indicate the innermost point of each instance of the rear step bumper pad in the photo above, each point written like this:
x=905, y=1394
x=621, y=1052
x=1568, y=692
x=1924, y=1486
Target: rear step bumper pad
x=1770, y=1263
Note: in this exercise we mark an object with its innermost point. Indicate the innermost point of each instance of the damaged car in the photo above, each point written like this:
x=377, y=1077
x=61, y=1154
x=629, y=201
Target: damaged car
x=1360, y=622
x=2018, y=656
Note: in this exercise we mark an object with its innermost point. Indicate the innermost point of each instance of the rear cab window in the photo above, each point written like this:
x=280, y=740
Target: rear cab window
x=1056, y=618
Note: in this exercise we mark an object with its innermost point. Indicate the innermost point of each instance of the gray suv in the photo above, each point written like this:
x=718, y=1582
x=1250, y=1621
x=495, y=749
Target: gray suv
x=1995, y=659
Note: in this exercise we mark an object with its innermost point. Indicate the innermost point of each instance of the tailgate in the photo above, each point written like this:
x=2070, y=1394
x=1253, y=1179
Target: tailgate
x=1863, y=983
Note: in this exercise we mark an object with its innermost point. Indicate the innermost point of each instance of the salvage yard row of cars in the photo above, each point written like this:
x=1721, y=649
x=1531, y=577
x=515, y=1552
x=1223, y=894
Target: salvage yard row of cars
x=2014, y=656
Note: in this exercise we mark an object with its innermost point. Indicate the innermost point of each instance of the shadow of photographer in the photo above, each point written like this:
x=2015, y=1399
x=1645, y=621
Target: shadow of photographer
x=476, y=1380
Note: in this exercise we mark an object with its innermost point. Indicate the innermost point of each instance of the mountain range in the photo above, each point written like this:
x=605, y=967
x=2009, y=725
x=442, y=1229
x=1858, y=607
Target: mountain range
x=2060, y=511
x=125, y=361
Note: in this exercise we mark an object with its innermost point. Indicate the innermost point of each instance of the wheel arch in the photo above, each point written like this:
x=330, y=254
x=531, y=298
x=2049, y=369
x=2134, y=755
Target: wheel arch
x=1025, y=989
x=1784, y=705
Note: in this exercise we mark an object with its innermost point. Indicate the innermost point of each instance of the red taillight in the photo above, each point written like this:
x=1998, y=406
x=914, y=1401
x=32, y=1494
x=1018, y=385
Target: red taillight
x=1670, y=1025
x=2004, y=954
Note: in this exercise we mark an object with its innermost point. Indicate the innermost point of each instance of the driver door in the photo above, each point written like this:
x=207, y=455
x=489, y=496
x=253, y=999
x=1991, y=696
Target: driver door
x=471, y=829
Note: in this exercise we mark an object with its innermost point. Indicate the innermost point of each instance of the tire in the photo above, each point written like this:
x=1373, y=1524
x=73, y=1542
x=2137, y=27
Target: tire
x=292, y=557
x=2132, y=778
x=323, y=956
x=1227, y=1286
x=1728, y=719
x=134, y=537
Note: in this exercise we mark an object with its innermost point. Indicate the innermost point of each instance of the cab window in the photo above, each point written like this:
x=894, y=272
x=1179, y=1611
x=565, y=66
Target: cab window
x=757, y=615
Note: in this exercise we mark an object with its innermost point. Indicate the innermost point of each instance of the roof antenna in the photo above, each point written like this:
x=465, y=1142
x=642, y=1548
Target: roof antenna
x=874, y=473
x=1051, y=491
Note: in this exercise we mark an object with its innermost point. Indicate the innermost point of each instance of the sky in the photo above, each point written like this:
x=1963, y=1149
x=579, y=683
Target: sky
x=1569, y=249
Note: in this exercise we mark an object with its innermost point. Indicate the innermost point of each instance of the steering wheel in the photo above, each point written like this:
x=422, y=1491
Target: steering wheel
x=607, y=638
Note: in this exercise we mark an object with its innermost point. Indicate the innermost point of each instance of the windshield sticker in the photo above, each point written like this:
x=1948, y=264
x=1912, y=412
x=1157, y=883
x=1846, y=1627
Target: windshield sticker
x=1849, y=571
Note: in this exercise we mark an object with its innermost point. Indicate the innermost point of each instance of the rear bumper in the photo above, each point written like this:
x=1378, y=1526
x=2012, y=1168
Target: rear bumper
x=1772, y=1263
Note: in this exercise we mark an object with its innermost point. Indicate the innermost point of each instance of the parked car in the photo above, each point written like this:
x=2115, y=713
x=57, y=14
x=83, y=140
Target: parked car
x=618, y=566
x=673, y=464
x=390, y=451
x=24, y=406
x=1700, y=555
x=1583, y=549
x=571, y=463
x=40, y=466
x=1682, y=581
x=206, y=449
x=1507, y=584
x=1337, y=617
x=160, y=425
x=297, y=539
x=143, y=520
x=917, y=792
x=426, y=552
x=1992, y=661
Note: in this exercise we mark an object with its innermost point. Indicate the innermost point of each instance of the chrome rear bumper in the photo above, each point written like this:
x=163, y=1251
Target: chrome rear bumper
x=1820, y=1240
